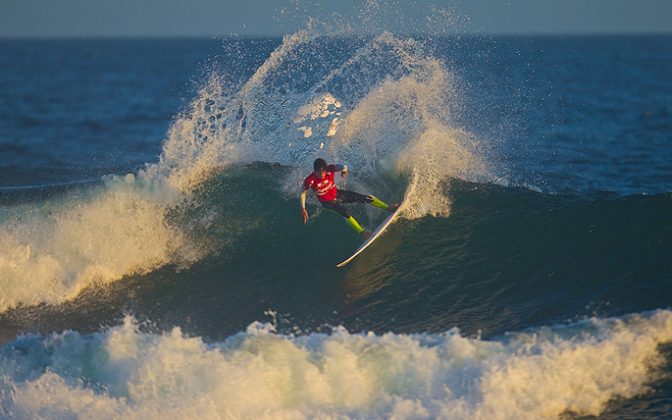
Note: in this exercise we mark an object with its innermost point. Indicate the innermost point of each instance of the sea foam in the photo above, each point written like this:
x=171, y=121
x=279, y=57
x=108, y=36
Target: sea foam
x=125, y=373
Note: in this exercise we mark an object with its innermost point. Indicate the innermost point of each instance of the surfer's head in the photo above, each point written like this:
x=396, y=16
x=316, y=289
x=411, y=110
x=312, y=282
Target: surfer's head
x=319, y=165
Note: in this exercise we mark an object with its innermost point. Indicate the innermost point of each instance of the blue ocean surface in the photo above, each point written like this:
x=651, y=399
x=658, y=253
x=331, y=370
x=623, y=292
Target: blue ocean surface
x=154, y=264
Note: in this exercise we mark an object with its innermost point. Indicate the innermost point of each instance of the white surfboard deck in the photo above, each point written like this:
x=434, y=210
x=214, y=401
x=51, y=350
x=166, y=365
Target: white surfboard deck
x=374, y=235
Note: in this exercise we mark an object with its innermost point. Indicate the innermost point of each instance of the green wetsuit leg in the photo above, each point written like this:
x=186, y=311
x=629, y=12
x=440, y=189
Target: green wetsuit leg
x=335, y=205
x=378, y=203
x=353, y=224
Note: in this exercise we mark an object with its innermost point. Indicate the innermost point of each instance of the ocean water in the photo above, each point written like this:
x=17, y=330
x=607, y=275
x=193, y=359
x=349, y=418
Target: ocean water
x=153, y=263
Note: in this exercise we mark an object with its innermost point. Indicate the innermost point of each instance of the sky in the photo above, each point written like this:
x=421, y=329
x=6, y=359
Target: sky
x=199, y=18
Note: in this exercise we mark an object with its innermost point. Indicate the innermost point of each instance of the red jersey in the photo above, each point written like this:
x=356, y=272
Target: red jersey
x=325, y=188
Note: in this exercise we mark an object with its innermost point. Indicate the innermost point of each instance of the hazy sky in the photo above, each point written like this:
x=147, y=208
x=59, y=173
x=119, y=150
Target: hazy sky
x=81, y=18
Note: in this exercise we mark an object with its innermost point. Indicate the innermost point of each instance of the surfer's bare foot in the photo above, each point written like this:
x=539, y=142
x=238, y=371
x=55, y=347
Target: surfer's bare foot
x=365, y=234
x=393, y=207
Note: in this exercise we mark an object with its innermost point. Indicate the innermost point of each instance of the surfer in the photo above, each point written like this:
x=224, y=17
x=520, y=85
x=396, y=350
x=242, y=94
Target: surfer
x=322, y=182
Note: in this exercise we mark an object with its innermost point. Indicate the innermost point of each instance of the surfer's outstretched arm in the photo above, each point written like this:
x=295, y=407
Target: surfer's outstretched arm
x=304, y=212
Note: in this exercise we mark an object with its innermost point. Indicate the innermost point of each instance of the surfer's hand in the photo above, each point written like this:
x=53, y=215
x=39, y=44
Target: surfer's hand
x=304, y=213
x=344, y=173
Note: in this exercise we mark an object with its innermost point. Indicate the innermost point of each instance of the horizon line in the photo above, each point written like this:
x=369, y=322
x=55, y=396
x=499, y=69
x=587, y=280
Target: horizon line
x=74, y=37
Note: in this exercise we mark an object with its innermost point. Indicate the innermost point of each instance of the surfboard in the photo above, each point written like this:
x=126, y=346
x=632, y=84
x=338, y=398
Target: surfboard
x=374, y=235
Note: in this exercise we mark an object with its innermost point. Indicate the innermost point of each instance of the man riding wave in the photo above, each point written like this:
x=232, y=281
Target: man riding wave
x=322, y=183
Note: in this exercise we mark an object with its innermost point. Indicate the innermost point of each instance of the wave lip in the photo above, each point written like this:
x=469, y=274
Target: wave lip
x=540, y=373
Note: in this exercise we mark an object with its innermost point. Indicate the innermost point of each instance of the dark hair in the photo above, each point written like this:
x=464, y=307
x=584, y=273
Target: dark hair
x=319, y=164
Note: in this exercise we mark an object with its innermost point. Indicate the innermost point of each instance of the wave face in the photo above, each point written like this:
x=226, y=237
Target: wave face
x=505, y=259
x=125, y=373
